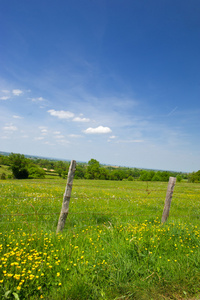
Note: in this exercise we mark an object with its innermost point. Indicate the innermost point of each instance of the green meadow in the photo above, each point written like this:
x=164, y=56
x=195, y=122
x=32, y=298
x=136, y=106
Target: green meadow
x=113, y=245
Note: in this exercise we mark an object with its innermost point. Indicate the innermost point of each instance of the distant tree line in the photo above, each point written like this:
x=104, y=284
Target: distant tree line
x=194, y=177
x=23, y=168
x=93, y=170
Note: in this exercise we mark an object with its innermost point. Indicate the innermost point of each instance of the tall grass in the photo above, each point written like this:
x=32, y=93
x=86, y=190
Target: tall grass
x=113, y=245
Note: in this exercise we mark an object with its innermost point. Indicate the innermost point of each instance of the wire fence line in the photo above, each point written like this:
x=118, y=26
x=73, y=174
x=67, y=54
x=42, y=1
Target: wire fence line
x=138, y=213
x=148, y=191
x=74, y=213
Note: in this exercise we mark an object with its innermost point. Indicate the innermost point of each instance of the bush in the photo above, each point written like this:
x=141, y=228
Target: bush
x=36, y=172
x=3, y=176
x=178, y=178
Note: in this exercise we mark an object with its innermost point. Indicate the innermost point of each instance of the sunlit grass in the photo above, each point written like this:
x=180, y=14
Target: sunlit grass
x=113, y=244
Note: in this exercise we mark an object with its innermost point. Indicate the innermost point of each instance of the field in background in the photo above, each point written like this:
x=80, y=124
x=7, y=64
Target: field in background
x=113, y=246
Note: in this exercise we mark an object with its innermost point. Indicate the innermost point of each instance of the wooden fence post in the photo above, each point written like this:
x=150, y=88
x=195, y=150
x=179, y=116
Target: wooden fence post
x=66, y=197
x=170, y=189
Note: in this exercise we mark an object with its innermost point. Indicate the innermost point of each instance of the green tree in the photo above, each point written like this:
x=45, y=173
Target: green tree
x=19, y=165
x=80, y=172
x=59, y=171
x=4, y=160
x=156, y=177
x=164, y=176
x=104, y=174
x=117, y=175
x=146, y=175
x=194, y=177
x=93, y=169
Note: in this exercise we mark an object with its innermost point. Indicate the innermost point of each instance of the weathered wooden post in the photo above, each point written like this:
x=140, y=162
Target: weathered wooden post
x=66, y=197
x=170, y=189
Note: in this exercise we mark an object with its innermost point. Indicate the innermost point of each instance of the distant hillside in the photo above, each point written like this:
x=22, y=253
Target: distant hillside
x=35, y=156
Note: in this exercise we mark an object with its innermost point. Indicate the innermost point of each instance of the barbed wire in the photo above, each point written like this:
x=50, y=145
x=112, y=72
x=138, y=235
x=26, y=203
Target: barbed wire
x=146, y=190
x=53, y=199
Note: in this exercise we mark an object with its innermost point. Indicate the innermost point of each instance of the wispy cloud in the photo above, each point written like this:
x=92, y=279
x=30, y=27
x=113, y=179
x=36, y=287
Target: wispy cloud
x=75, y=135
x=173, y=110
x=49, y=143
x=9, y=94
x=130, y=141
x=17, y=117
x=17, y=92
x=4, y=98
x=97, y=130
x=43, y=130
x=78, y=119
x=61, y=114
x=39, y=138
x=59, y=136
x=39, y=99
x=10, y=127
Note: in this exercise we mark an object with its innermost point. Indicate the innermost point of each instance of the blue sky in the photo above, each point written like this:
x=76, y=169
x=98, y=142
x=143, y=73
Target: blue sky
x=117, y=81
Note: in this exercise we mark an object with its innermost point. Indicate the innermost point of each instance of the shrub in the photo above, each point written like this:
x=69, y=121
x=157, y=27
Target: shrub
x=3, y=176
x=36, y=172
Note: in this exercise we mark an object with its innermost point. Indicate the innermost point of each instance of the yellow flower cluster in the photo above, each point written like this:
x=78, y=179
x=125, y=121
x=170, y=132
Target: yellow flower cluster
x=25, y=266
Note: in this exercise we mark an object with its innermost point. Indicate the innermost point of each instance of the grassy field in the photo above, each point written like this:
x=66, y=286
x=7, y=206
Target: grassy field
x=113, y=245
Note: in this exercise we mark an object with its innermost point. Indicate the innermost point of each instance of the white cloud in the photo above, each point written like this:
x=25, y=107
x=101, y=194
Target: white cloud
x=59, y=136
x=61, y=114
x=64, y=142
x=44, y=131
x=130, y=141
x=112, y=137
x=37, y=99
x=17, y=117
x=4, y=98
x=17, y=92
x=97, y=130
x=39, y=138
x=8, y=94
x=75, y=135
x=56, y=132
x=10, y=127
x=78, y=119
x=48, y=143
